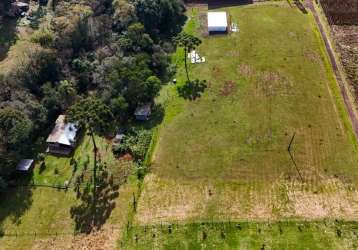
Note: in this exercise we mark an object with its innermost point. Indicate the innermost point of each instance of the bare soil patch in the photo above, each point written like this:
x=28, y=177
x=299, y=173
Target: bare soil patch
x=228, y=88
x=273, y=84
x=104, y=239
x=346, y=38
x=203, y=20
x=246, y=70
x=168, y=201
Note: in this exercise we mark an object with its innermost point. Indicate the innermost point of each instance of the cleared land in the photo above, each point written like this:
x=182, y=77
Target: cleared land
x=224, y=156
x=44, y=217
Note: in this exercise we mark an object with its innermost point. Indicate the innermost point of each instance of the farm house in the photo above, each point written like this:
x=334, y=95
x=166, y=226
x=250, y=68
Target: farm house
x=142, y=113
x=62, y=139
x=217, y=22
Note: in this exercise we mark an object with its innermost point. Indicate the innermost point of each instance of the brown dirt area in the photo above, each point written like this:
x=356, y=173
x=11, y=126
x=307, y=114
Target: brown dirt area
x=168, y=201
x=246, y=70
x=346, y=39
x=100, y=240
x=228, y=88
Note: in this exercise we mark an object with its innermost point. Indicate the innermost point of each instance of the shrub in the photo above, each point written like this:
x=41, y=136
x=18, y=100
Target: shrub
x=121, y=148
x=136, y=143
x=140, y=143
x=41, y=157
x=44, y=37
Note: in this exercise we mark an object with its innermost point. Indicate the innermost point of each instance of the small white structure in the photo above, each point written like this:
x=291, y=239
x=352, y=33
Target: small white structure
x=195, y=57
x=234, y=27
x=217, y=22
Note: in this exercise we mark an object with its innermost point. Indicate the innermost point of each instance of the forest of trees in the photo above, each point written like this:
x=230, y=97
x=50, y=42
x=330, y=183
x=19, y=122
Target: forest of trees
x=117, y=51
x=4, y=6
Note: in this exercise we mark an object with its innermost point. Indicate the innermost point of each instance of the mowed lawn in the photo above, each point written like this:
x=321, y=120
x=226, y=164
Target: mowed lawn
x=225, y=154
x=44, y=217
x=225, y=235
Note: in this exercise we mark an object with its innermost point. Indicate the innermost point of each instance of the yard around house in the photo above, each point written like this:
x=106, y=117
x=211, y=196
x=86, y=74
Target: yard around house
x=44, y=217
x=224, y=156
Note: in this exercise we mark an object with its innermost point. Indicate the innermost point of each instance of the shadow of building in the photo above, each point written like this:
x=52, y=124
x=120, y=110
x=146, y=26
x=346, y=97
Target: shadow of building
x=215, y=4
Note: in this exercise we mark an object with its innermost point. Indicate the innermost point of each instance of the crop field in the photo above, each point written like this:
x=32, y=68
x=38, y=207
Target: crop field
x=224, y=156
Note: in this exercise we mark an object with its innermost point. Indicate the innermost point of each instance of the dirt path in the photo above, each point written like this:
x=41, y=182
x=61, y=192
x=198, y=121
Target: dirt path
x=334, y=62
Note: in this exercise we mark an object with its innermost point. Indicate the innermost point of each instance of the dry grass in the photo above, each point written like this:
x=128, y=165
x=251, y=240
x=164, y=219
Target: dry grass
x=169, y=201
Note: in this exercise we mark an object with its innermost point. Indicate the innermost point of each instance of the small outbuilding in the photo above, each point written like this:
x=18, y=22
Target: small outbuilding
x=62, y=139
x=118, y=138
x=25, y=165
x=142, y=113
x=217, y=22
x=17, y=8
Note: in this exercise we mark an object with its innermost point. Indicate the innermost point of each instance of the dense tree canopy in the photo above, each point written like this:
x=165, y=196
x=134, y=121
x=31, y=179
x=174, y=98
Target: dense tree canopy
x=92, y=114
x=14, y=127
x=111, y=55
x=160, y=17
x=5, y=6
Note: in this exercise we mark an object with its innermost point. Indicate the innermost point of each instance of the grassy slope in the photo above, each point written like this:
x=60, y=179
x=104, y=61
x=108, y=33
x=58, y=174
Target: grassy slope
x=226, y=157
x=46, y=211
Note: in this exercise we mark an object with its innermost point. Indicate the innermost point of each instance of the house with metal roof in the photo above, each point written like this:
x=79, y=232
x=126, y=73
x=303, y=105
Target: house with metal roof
x=62, y=139
x=142, y=113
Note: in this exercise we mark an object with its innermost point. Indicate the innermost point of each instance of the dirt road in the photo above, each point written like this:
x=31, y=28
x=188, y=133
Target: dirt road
x=334, y=62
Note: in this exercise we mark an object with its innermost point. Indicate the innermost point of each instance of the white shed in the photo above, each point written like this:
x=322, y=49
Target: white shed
x=217, y=22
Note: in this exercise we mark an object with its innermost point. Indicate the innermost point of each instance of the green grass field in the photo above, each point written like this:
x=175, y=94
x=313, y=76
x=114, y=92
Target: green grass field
x=242, y=235
x=49, y=218
x=224, y=156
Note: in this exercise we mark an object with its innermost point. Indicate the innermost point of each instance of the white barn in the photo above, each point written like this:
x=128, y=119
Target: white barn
x=217, y=22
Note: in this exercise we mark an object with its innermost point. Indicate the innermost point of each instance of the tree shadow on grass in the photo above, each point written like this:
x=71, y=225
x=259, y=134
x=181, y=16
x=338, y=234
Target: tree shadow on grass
x=215, y=4
x=8, y=36
x=13, y=204
x=192, y=90
x=300, y=6
x=95, y=207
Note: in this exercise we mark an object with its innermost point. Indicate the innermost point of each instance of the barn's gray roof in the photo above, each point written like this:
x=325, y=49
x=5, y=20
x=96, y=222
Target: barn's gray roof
x=63, y=133
x=144, y=110
x=24, y=165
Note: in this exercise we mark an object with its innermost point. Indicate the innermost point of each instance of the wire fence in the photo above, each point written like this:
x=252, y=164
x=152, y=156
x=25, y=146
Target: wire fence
x=56, y=233
x=340, y=227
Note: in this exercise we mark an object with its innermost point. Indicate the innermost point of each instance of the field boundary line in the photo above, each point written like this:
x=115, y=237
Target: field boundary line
x=334, y=64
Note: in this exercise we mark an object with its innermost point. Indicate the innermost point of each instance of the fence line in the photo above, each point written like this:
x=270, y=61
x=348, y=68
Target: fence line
x=20, y=233
x=224, y=225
